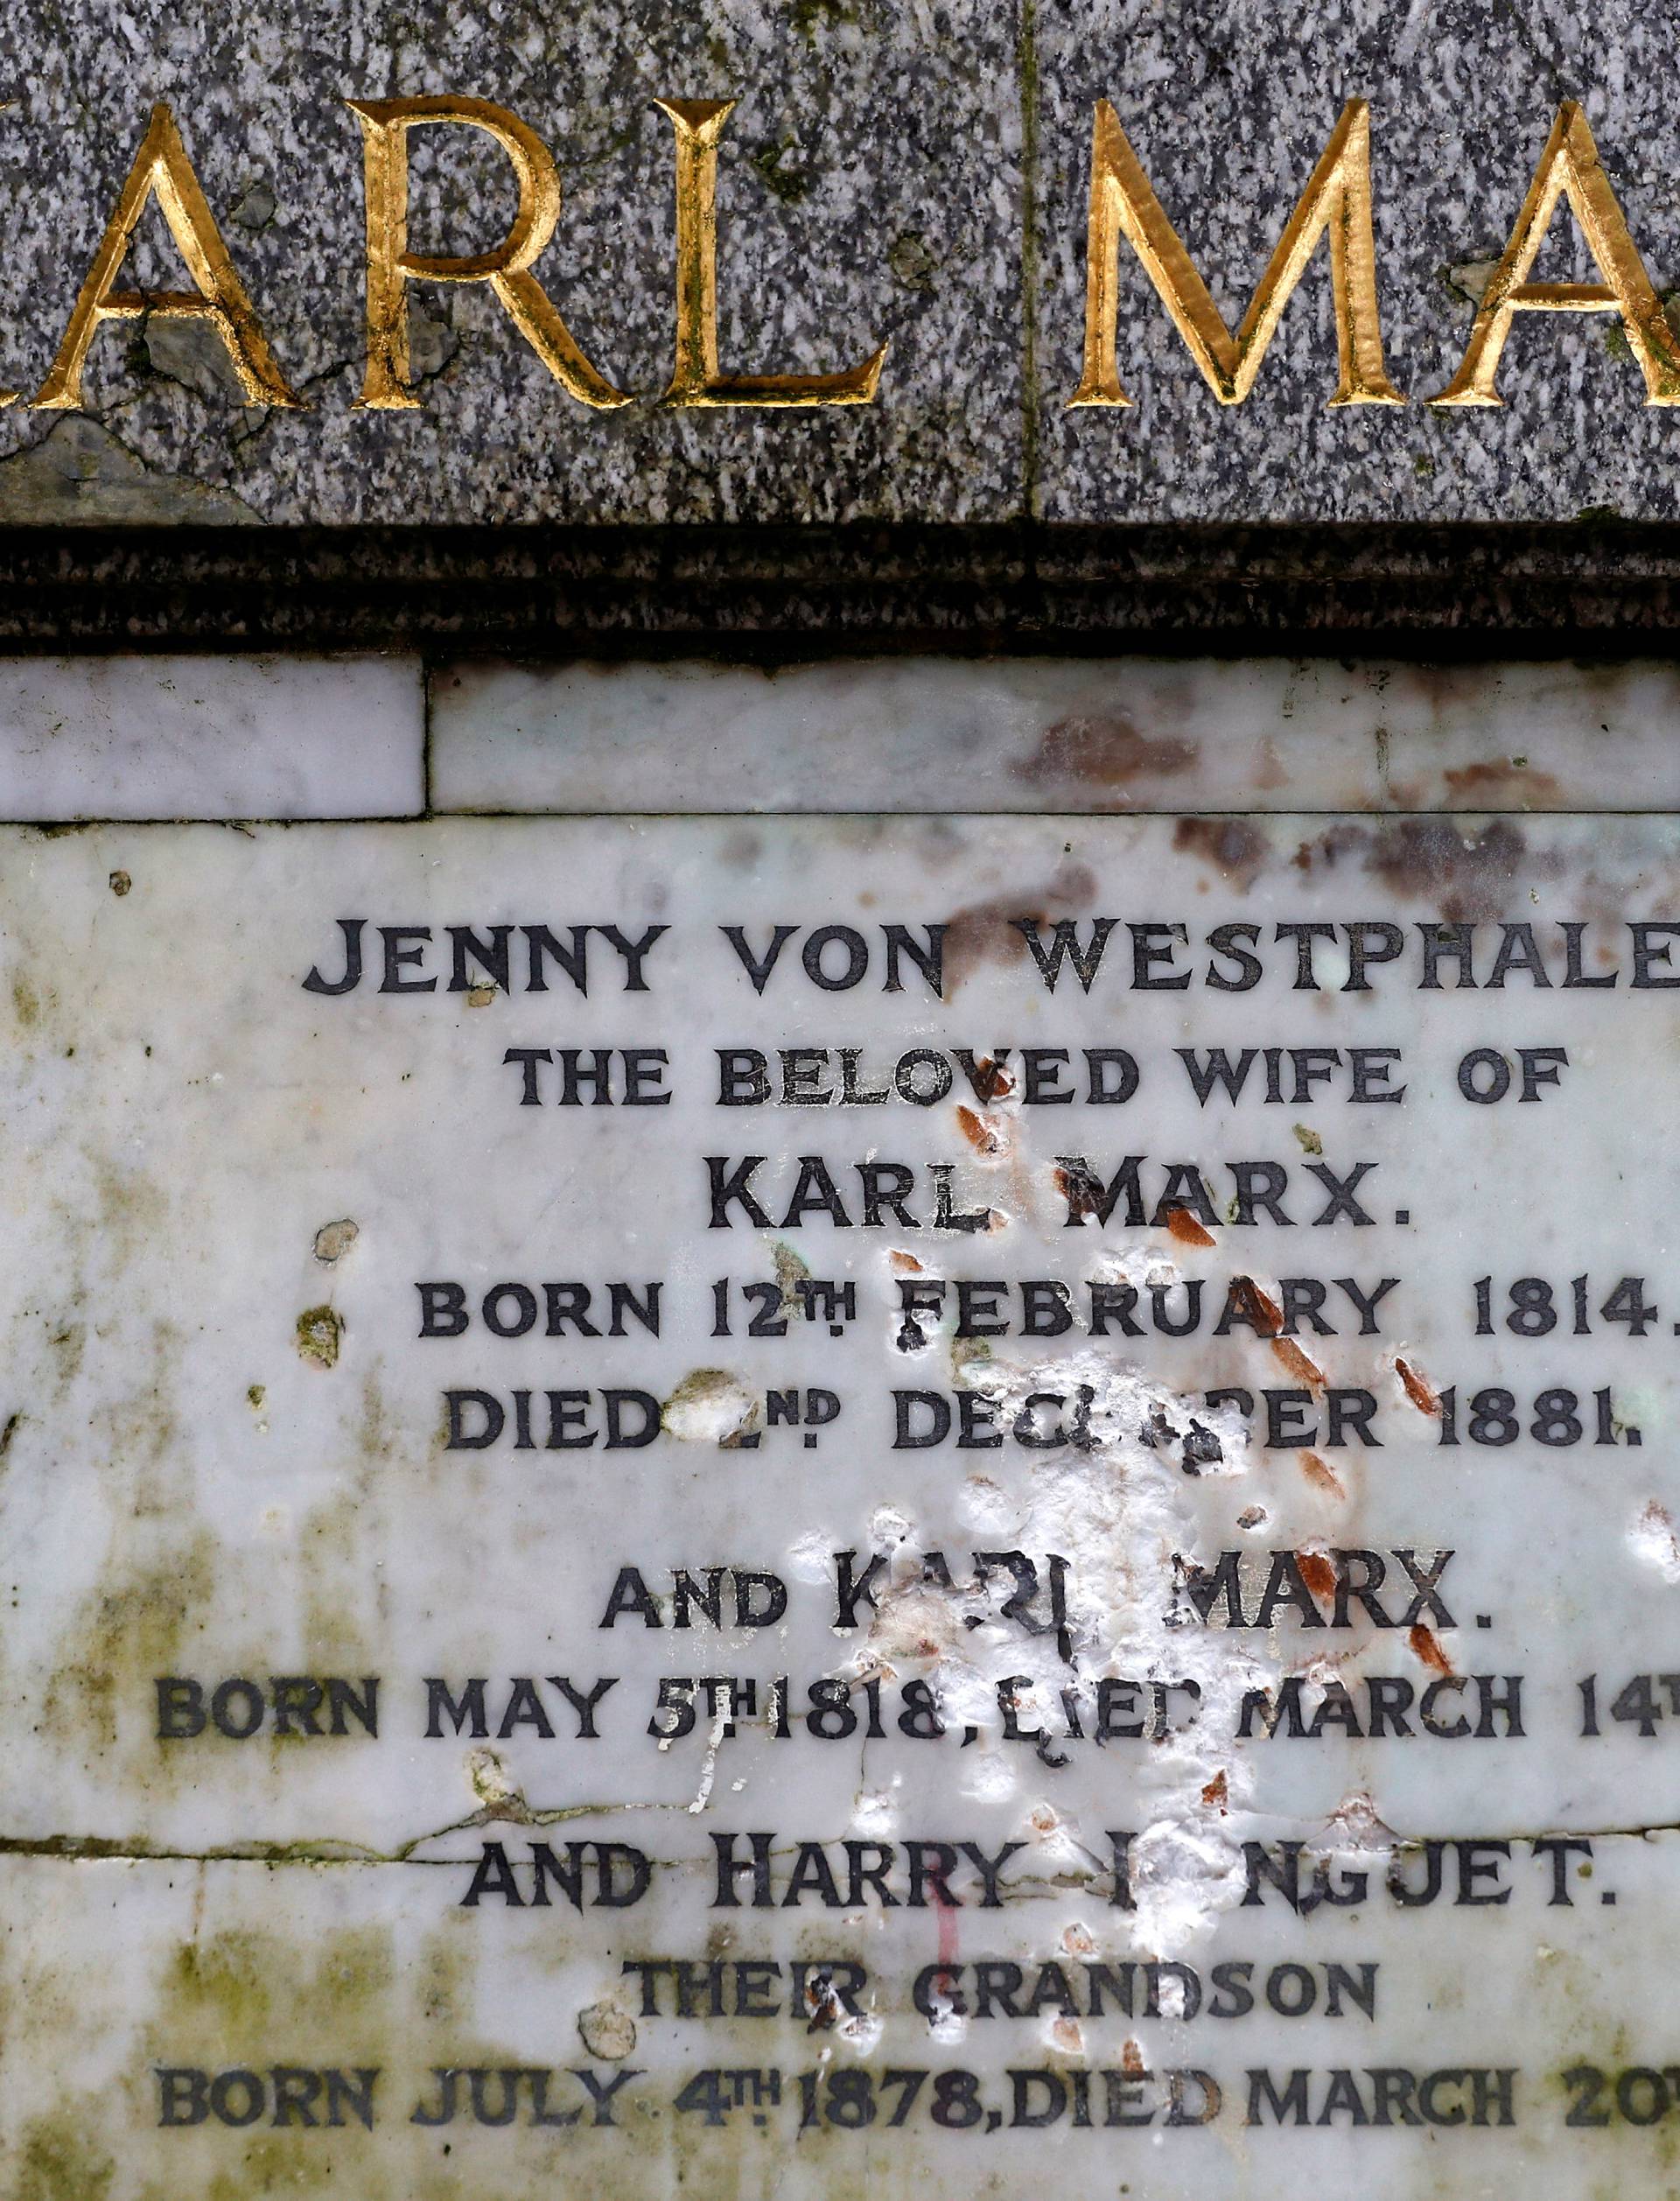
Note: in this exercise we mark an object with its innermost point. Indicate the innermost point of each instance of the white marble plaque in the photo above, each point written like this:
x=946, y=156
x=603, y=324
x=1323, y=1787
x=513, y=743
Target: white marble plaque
x=721, y=1506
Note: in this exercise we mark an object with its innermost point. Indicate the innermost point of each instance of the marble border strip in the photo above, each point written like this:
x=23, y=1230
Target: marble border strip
x=229, y=736
x=1081, y=736
x=216, y=738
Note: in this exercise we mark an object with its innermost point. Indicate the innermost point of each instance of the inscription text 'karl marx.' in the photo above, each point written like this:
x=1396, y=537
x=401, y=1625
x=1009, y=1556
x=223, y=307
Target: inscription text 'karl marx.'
x=1335, y=207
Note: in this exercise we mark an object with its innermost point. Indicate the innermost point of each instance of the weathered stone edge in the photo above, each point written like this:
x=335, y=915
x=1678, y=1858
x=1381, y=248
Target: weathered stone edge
x=1599, y=587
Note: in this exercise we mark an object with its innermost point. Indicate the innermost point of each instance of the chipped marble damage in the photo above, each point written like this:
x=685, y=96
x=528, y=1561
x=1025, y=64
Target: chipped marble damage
x=216, y=1177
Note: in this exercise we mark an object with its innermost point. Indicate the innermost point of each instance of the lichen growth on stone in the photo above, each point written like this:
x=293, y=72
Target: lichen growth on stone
x=319, y=1331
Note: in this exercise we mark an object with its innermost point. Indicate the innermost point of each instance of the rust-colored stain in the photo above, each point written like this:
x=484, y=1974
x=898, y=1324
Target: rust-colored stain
x=1260, y=1308
x=1326, y=852
x=1082, y=1193
x=906, y=1264
x=1428, y=1648
x=1236, y=849
x=1321, y=1475
x=979, y=1132
x=1417, y=1389
x=1101, y=752
x=1481, y=784
x=1217, y=1791
x=1186, y=1230
x=1268, y=1319
x=1131, y=2060
x=1300, y=1365
x=1318, y=1574
x=992, y=1080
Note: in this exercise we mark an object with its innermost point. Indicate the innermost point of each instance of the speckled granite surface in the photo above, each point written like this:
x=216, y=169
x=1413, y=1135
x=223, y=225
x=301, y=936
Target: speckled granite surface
x=870, y=191
x=1228, y=103
x=895, y=171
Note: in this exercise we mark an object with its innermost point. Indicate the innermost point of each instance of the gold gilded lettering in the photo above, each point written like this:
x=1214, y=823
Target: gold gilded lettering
x=162, y=170
x=506, y=267
x=1570, y=168
x=1337, y=199
x=696, y=379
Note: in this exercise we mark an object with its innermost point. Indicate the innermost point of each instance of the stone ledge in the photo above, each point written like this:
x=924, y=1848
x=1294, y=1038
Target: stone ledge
x=777, y=591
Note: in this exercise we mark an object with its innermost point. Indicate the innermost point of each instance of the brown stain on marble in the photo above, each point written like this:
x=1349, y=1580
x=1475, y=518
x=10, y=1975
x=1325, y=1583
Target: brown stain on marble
x=1427, y=1647
x=1238, y=851
x=1101, y=752
x=1268, y=1318
x=1468, y=874
x=1261, y=1309
x=1184, y=1227
x=1503, y=782
x=1416, y=1387
x=983, y=932
x=1296, y=1364
x=979, y=1133
x=1322, y=1476
x=1081, y=1191
x=992, y=1080
x=1318, y=1574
